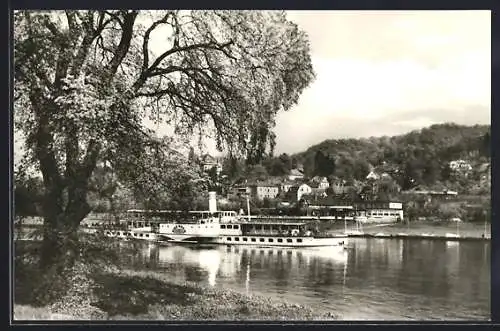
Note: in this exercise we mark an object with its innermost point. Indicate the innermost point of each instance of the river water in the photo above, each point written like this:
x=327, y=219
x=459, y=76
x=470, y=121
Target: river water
x=372, y=279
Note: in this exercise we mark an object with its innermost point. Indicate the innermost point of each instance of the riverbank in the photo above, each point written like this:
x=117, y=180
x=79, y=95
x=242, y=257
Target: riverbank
x=441, y=230
x=140, y=295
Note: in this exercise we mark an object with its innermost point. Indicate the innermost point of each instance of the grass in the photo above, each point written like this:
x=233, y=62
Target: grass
x=148, y=295
x=25, y=312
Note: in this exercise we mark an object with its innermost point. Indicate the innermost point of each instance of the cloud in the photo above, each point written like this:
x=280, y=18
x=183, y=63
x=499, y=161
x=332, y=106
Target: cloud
x=385, y=73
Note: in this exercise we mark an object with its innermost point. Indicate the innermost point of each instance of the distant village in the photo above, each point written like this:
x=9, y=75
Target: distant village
x=320, y=196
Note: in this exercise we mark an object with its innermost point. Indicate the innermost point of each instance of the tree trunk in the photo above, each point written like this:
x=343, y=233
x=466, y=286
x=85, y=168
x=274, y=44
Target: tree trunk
x=60, y=246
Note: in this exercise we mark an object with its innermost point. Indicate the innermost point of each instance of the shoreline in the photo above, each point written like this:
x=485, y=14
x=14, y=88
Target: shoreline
x=463, y=231
x=153, y=296
x=416, y=236
x=420, y=230
x=371, y=235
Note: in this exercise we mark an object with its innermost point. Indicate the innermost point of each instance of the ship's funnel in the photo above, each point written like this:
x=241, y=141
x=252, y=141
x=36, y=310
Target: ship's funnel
x=212, y=202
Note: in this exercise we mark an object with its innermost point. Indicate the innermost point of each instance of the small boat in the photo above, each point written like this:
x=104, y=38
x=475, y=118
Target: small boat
x=131, y=235
x=452, y=235
x=354, y=233
x=427, y=235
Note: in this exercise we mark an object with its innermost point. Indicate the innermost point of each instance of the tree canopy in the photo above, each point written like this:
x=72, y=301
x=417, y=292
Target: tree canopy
x=85, y=81
x=420, y=157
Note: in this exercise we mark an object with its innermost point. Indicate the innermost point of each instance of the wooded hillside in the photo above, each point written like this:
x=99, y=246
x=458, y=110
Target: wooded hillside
x=420, y=157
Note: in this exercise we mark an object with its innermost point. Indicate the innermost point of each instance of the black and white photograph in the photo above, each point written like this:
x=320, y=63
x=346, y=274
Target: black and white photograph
x=251, y=165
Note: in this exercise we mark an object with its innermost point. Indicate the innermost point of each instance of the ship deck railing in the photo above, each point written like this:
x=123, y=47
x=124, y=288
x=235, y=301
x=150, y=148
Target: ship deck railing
x=287, y=235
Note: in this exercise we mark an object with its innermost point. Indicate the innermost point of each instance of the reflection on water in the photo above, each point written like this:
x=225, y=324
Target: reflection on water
x=378, y=279
x=207, y=260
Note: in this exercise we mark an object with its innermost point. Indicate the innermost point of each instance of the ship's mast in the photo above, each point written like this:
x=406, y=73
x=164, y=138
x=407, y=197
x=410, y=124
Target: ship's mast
x=248, y=206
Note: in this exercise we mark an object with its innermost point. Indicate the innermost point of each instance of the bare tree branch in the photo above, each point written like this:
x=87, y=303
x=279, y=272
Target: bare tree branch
x=145, y=49
x=173, y=50
x=124, y=45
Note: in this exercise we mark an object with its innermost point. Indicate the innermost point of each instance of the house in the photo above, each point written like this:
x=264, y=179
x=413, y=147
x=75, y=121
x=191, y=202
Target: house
x=318, y=192
x=295, y=174
x=484, y=167
x=460, y=165
x=208, y=162
x=286, y=185
x=321, y=181
x=484, y=170
x=317, y=189
x=239, y=191
x=338, y=186
x=372, y=176
x=385, y=175
x=262, y=191
x=296, y=192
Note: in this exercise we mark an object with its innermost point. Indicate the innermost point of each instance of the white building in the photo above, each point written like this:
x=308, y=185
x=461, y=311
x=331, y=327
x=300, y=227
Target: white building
x=321, y=181
x=295, y=174
x=460, y=165
x=372, y=175
x=303, y=189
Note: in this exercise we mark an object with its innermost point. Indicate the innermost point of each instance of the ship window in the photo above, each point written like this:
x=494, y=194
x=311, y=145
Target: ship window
x=280, y=240
x=202, y=222
x=236, y=239
x=289, y=240
x=236, y=227
x=228, y=238
x=223, y=226
x=147, y=235
x=270, y=240
x=140, y=235
x=299, y=240
x=386, y=214
x=262, y=239
x=245, y=239
x=229, y=226
x=253, y=239
x=129, y=234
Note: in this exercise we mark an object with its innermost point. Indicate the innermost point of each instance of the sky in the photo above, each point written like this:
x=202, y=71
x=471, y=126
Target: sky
x=389, y=72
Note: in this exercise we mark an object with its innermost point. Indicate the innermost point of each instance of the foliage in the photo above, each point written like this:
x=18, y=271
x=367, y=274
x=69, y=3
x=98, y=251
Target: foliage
x=417, y=158
x=256, y=173
x=324, y=165
x=96, y=254
x=28, y=194
x=86, y=82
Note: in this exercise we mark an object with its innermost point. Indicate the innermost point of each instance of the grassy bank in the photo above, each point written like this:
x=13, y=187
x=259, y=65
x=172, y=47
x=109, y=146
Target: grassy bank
x=138, y=295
